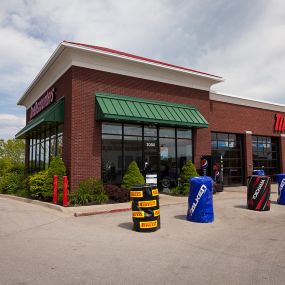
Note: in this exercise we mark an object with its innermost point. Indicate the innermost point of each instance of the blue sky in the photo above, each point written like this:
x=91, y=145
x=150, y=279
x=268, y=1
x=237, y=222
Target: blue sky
x=242, y=41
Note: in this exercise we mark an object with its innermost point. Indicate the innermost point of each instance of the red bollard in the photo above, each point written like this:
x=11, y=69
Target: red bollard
x=55, y=189
x=64, y=194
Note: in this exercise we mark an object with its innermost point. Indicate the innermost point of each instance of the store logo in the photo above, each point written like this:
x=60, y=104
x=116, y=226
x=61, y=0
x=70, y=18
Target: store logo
x=282, y=184
x=279, y=123
x=42, y=103
x=148, y=225
x=147, y=204
x=197, y=199
x=258, y=189
x=136, y=194
x=138, y=214
x=204, y=163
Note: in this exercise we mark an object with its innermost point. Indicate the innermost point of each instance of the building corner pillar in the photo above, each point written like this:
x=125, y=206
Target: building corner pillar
x=282, y=153
x=201, y=144
x=248, y=157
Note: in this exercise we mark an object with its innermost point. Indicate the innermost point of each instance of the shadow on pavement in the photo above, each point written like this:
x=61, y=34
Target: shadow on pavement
x=127, y=226
x=241, y=207
x=180, y=217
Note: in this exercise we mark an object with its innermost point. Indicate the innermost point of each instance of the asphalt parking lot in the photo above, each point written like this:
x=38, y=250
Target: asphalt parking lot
x=45, y=246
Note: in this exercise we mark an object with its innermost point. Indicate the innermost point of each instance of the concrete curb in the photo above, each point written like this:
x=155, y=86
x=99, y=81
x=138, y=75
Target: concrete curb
x=74, y=211
x=34, y=202
x=101, y=212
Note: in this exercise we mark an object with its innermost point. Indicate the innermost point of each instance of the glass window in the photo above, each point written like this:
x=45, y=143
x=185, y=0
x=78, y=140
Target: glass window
x=43, y=146
x=111, y=128
x=59, y=145
x=132, y=150
x=184, y=134
x=112, y=158
x=132, y=130
x=37, y=155
x=47, y=153
x=53, y=143
x=184, y=148
x=150, y=131
x=166, y=132
x=265, y=154
x=164, y=155
x=167, y=166
x=42, y=153
x=230, y=147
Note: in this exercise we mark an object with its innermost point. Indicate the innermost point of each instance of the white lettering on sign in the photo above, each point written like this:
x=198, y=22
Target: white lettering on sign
x=197, y=199
x=282, y=184
x=150, y=144
x=42, y=103
x=258, y=189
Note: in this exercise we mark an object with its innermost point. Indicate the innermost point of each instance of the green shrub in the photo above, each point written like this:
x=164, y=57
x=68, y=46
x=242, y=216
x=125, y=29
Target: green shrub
x=37, y=184
x=58, y=168
x=11, y=182
x=132, y=176
x=17, y=167
x=81, y=197
x=188, y=171
x=89, y=190
x=175, y=191
x=5, y=165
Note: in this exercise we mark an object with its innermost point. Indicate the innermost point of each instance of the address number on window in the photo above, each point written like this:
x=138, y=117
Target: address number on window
x=150, y=144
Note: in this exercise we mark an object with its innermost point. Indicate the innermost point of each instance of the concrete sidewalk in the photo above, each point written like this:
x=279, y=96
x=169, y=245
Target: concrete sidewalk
x=164, y=200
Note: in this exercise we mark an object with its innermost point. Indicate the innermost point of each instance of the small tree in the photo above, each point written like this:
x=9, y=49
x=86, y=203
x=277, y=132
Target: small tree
x=58, y=168
x=37, y=183
x=132, y=176
x=188, y=171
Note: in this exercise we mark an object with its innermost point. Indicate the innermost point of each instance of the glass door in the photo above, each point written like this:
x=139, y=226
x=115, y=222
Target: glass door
x=150, y=150
x=168, y=171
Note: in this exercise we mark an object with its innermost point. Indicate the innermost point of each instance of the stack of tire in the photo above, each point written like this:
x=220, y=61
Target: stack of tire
x=258, y=193
x=145, y=208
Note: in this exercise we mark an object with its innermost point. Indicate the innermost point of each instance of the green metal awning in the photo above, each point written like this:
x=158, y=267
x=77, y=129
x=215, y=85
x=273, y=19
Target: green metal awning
x=51, y=116
x=112, y=107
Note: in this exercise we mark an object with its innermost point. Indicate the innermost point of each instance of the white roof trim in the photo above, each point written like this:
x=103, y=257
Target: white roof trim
x=45, y=77
x=227, y=98
x=161, y=65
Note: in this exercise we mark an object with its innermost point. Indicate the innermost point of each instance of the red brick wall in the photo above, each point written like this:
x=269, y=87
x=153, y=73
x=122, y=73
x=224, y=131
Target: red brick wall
x=232, y=118
x=82, y=133
x=222, y=117
x=86, y=138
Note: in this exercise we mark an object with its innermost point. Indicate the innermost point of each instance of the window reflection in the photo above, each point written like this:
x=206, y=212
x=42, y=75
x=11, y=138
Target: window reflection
x=111, y=158
x=164, y=155
x=230, y=147
x=43, y=145
x=265, y=154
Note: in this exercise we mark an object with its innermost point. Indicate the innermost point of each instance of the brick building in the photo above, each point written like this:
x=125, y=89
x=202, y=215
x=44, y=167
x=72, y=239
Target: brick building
x=100, y=109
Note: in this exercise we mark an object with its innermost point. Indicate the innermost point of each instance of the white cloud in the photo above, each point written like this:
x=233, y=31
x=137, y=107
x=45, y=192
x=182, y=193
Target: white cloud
x=10, y=125
x=243, y=41
x=253, y=63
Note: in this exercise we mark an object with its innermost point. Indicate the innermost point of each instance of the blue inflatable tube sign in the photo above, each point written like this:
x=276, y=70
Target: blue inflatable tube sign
x=200, y=200
x=281, y=188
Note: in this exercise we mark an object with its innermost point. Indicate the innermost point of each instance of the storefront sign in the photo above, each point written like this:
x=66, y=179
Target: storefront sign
x=42, y=103
x=279, y=123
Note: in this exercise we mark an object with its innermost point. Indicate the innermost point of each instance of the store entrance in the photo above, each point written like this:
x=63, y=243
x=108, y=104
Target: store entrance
x=150, y=150
x=150, y=156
